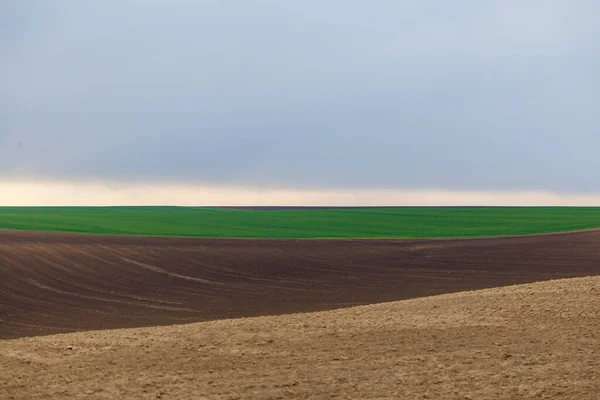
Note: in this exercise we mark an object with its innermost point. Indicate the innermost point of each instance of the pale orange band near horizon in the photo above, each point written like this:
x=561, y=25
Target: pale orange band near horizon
x=113, y=194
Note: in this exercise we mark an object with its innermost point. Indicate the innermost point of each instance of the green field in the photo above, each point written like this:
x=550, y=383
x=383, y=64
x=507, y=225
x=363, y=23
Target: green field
x=305, y=223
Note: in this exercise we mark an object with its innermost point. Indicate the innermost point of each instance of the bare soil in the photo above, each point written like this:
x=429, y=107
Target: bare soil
x=533, y=341
x=53, y=283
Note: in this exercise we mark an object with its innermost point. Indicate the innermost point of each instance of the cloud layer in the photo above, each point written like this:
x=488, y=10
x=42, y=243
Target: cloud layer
x=303, y=95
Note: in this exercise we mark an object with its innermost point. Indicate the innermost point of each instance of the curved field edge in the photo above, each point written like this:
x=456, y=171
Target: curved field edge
x=346, y=223
x=528, y=341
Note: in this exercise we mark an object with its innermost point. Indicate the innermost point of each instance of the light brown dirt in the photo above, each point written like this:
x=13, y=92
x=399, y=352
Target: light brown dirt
x=532, y=341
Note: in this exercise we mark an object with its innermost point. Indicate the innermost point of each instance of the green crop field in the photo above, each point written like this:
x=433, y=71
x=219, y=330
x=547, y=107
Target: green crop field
x=300, y=223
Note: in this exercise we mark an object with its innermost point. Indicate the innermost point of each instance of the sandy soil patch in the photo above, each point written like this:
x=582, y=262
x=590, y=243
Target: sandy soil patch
x=531, y=341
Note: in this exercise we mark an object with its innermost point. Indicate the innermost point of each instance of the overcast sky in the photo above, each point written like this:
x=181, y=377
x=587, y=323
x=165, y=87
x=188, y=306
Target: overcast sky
x=303, y=94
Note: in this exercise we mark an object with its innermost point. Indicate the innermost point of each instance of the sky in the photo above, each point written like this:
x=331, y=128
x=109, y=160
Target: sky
x=300, y=102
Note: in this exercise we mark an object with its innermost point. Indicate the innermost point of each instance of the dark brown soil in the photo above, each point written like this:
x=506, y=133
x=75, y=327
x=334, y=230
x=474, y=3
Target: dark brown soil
x=53, y=283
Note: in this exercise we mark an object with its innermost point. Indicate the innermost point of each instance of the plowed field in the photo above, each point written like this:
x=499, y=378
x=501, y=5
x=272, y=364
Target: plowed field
x=54, y=283
x=537, y=341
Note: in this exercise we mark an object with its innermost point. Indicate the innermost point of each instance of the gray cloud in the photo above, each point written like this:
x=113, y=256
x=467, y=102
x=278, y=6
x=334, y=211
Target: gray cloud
x=386, y=94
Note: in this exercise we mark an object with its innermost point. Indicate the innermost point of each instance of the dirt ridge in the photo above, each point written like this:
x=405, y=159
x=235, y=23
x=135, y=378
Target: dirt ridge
x=531, y=341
